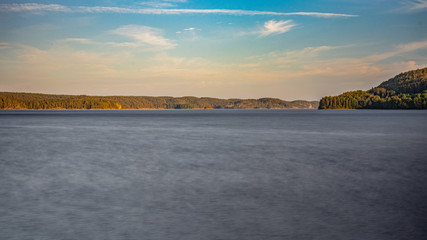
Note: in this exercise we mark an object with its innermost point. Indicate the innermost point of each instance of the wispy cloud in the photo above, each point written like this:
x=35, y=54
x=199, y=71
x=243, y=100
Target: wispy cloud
x=205, y=11
x=78, y=40
x=276, y=27
x=290, y=58
x=143, y=35
x=4, y=45
x=313, y=57
x=400, y=49
x=318, y=14
x=162, y=3
x=157, y=4
x=34, y=7
x=417, y=5
x=411, y=6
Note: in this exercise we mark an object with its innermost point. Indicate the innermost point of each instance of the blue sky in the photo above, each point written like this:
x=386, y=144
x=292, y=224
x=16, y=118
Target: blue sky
x=247, y=49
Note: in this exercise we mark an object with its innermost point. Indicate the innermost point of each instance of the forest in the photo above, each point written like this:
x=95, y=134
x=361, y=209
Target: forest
x=405, y=91
x=11, y=100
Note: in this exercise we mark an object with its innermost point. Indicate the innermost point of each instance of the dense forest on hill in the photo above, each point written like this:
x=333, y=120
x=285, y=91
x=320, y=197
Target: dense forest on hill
x=405, y=91
x=9, y=100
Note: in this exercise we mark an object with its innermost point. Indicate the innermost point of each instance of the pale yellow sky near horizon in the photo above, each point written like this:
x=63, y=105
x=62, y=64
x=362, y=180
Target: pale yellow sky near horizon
x=190, y=48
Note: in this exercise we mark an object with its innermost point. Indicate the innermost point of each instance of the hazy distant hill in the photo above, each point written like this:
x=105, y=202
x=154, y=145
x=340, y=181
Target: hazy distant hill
x=9, y=100
x=405, y=91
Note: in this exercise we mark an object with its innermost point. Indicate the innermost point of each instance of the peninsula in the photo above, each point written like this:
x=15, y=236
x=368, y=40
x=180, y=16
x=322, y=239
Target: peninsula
x=405, y=91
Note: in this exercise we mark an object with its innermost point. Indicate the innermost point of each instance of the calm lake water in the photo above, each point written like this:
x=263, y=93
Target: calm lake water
x=213, y=174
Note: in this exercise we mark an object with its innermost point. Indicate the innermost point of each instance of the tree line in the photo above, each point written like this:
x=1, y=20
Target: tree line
x=10, y=100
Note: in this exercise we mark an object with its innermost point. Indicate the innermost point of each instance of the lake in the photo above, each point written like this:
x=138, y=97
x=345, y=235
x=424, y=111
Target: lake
x=213, y=174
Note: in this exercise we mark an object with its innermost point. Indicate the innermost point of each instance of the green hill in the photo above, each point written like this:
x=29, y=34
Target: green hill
x=405, y=91
x=10, y=100
x=409, y=82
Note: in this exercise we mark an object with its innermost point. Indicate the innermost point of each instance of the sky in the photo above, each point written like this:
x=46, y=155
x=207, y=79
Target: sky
x=293, y=49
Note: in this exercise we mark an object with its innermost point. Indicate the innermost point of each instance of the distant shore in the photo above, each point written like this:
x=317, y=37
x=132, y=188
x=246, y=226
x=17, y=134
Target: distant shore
x=169, y=109
x=38, y=101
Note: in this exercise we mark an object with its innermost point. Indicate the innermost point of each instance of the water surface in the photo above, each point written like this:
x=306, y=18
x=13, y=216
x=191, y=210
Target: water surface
x=213, y=174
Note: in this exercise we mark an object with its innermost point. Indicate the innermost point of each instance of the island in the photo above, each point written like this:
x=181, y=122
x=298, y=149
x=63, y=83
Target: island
x=407, y=90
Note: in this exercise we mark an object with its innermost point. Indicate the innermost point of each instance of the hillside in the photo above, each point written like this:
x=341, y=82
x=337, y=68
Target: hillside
x=9, y=100
x=405, y=91
x=409, y=82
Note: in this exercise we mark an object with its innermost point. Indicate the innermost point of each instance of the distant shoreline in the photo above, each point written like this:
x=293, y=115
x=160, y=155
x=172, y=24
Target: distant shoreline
x=168, y=109
x=38, y=101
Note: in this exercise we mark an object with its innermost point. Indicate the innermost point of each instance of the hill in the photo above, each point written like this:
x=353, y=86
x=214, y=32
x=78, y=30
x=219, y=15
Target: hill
x=409, y=82
x=10, y=100
x=405, y=91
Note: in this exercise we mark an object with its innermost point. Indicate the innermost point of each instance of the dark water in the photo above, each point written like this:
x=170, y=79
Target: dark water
x=213, y=174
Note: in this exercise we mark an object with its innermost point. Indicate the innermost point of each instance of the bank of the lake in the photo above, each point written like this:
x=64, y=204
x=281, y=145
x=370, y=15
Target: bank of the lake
x=14, y=101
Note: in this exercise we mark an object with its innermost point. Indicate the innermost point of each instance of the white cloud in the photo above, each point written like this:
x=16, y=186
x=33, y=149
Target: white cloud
x=189, y=34
x=318, y=14
x=34, y=7
x=162, y=3
x=143, y=35
x=78, y=40
x=276, y=27
x=156, y=4
x=206, y=11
